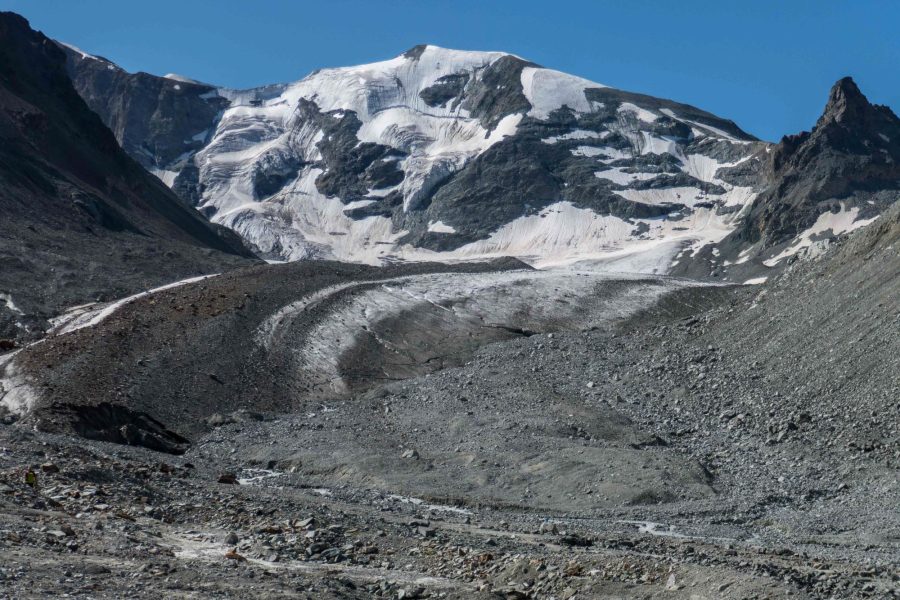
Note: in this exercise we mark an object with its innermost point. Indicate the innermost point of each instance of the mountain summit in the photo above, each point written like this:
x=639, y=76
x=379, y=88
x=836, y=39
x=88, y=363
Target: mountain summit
x=433, y=154
x=836, y=177
x=847, y=104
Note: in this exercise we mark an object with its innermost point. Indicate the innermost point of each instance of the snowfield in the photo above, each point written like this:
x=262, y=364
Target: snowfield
x=266, y=131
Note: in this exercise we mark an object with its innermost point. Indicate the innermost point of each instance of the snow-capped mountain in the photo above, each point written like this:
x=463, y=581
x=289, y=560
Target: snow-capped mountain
x=451, y=155
x=436, y=154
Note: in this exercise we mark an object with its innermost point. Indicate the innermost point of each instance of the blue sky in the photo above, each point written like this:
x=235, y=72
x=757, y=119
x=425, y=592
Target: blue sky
x=765, y=64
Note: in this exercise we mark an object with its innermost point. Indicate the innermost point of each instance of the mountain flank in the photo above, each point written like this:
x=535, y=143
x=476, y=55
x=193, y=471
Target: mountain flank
x=82, y=220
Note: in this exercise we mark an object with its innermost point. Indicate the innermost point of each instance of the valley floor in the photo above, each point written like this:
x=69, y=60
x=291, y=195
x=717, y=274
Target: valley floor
x=511, y=434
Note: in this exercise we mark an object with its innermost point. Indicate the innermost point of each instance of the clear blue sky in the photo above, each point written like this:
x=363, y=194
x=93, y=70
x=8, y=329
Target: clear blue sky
x=765, y=64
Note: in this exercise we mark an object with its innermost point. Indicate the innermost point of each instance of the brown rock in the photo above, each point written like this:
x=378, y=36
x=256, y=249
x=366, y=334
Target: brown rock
x=229, y=478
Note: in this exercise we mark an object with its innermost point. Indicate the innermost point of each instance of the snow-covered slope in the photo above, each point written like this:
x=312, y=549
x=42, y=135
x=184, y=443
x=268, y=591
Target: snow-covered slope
x=446, y=154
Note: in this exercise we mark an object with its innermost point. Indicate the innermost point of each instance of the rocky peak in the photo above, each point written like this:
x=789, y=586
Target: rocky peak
x=849, y=125
x=416, y=51
x=848, y=108
x=850, y=161
x=845, y=103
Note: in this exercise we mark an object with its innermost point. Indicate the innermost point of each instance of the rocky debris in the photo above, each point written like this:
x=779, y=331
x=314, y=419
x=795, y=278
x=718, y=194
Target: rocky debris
x=574, y=539
x=701, y=462
x=665, y=456
x=119, y=520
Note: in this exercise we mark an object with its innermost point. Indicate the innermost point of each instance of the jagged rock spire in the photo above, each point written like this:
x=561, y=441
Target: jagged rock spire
x=846, y=104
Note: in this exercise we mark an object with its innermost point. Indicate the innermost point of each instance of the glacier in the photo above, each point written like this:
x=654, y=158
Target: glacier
x=448, y=155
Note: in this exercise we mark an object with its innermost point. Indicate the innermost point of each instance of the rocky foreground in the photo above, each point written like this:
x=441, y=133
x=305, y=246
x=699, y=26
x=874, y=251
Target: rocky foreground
x=670, y=452
x=242, y=514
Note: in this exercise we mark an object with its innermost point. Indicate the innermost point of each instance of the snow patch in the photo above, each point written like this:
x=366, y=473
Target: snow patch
x=558, y=232
x=8, y=300
x=654, y=144
x=704, y=167
x=419, y=503
x=844, y=221
x=181, y=78
x=84, y=55
x=440, y=227
x=641, y=113
x=256, y=476
x=576, y=134
x=16, y=394
x=548, y=90
x=617, y=175
x=660, y=196
x=608, y=154
x=707, y=129
x=166, y=176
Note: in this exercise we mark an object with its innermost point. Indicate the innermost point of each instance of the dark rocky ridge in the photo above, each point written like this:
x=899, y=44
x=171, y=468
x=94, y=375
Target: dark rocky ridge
x=81, y=219
x=156, y=120
x=850, y=160
x=851, y=156
x=499, y=91
x=350, y=167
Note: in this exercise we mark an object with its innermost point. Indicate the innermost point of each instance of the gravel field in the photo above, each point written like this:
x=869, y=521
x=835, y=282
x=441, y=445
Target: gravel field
x=644, y=438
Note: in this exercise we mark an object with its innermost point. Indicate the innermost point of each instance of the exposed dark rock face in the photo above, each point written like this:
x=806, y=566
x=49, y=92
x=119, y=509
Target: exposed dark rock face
x=157, y=120
x=118, y=424
x=614, y=97
x=187, y=185
x=498, y=92
x=445, y=89
x=851, y=157
x=81, y=219
x=351, y=168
